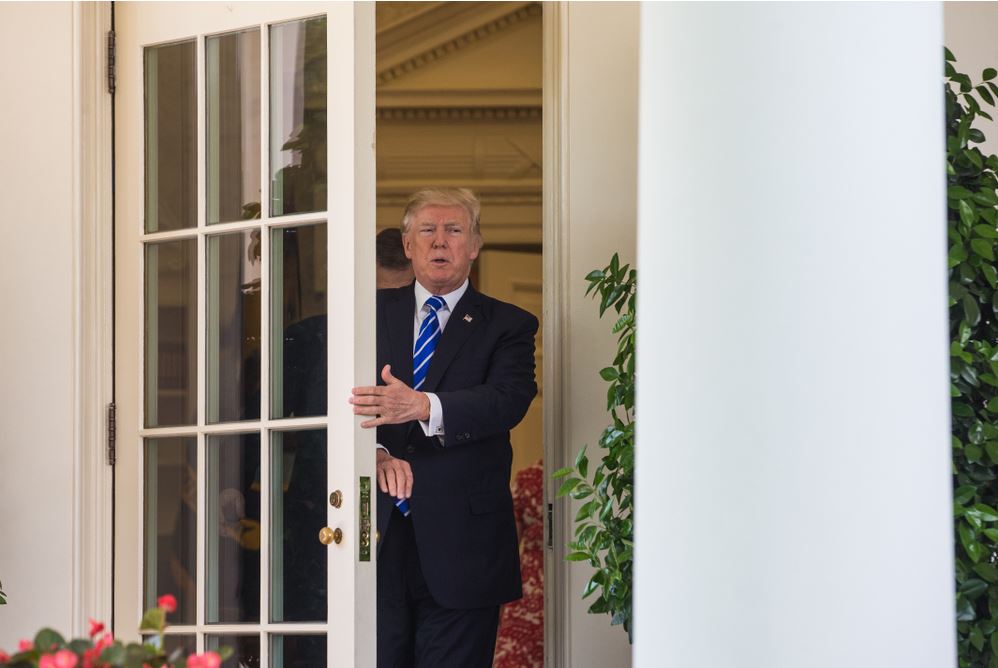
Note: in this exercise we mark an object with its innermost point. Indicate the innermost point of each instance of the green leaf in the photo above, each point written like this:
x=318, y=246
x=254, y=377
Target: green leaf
x=973, y=588
x=948, y=55
x=609, y=373
x=561, y=473
x=957, y=254
x=990, y=275
x=568, y=486
x=977, y=638
x=48, y=639
x=985, y=95
x=986, y=231
x=964, y=493
x=958, y=193
x=987, y=571
x=986, y=512
x=971, y=311
x=967, y=213
x=577, y=556
x=983, y=248
x=154, y=619
x=991, y=447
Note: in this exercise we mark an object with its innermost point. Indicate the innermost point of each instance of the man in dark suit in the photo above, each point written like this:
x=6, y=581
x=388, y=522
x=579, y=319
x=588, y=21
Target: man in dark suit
x=456, y=375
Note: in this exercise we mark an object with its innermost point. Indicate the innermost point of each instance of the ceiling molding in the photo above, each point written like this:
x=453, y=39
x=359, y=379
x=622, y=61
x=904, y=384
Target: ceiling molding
x=458, y=113
x=463, y=97
x=458, y=24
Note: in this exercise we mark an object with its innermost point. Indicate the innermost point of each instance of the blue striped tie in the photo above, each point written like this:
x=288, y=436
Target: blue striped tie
x=426, y=343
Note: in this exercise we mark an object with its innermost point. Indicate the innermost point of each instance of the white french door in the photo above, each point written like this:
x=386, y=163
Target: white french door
x=244, y=223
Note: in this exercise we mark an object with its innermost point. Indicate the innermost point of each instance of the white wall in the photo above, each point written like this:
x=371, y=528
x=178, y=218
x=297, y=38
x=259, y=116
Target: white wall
x=601, y=126
x=793, y=475
x=38, y=264
x=970, y=29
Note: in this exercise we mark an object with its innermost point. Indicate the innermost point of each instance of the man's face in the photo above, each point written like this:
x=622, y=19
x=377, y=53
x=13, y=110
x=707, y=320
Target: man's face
x=441, y=246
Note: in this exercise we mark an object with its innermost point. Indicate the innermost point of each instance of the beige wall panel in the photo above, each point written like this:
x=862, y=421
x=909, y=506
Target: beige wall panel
x=970, y=29
x=38, y=214
x=601, y=210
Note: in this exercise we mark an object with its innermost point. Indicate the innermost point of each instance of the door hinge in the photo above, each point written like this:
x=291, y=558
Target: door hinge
x=112, y=434
x=550, y=526
x=110, y=62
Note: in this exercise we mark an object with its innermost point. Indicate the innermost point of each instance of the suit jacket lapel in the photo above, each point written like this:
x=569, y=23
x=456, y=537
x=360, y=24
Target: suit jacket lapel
x=465, y=319
x=400, y=324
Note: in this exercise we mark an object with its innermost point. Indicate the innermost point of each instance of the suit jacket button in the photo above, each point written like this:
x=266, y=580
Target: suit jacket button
x=466, y=435
x=410, y=448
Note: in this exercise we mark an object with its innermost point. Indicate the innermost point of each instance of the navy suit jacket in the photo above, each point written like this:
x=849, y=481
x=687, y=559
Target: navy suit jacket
x=462, y=510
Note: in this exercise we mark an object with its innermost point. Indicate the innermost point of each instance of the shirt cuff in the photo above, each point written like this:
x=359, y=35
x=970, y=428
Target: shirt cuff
x=381, y=447
x=435, y=425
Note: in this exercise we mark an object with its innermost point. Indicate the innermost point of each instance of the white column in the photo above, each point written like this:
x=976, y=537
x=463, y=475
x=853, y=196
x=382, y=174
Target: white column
x=793, y=441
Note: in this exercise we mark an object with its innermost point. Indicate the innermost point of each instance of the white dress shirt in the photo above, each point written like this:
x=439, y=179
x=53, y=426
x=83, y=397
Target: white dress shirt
x=435, y=425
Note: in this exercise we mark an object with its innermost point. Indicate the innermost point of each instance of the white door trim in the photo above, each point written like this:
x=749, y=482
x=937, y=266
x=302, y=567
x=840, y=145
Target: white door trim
x=93, y=319
x=557, y=646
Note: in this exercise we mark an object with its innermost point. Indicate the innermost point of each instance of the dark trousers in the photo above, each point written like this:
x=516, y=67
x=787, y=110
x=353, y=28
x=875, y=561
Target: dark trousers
x=413, y=630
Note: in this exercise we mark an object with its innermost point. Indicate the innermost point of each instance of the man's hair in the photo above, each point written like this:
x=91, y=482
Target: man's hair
x=461, y=197
x=389, y=251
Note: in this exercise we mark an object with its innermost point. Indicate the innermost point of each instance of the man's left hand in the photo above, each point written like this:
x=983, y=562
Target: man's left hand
x=391, y=403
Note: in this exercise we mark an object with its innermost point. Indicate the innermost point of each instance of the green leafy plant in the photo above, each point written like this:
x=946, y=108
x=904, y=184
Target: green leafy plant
x=100, y=650
x=973, y=308
x=604, y=524
x=3, y=596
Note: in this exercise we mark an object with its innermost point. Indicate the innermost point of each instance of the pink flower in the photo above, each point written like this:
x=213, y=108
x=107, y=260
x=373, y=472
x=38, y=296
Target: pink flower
x=206, y=660
x=106, y=641
x=168, y=602
x=95, y=627
x=4, y=656
x=65, y=659
x=25, y=646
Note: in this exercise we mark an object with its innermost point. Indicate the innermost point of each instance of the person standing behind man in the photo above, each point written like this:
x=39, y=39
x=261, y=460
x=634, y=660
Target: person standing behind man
x=456, y=375
x=394, y=270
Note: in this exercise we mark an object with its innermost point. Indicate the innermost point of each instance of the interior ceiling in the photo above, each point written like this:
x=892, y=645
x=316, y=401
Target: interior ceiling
x=459, y=103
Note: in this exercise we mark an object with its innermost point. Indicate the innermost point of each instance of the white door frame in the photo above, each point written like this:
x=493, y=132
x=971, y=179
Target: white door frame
x=94, y=249
x=554, y=190
x=93, y=534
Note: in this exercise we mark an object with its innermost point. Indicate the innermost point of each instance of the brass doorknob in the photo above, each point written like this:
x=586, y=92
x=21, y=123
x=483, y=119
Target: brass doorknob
x=327, y=535
x=336, y=499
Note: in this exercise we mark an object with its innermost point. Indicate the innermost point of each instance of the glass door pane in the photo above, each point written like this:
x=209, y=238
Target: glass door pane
x=298, y=116
x=171, y=137
x=232, y=62
x=298, y=320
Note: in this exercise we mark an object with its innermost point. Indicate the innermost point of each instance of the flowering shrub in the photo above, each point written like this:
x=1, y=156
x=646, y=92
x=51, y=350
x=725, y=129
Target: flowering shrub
x=101, y=650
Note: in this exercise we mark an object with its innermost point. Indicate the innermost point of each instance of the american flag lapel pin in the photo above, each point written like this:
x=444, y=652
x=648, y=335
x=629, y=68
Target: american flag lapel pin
x=467, y=318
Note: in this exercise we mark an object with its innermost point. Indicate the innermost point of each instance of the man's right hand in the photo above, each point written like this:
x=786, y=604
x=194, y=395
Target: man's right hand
x=394, y=475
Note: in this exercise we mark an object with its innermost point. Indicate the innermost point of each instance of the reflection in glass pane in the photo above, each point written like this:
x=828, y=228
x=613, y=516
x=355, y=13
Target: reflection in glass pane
x=232, y=528
x=170, y=333
x=170, y=508
x=298, y=116
x=297, y=651
x=298, y=320
x=298, y=495
x=232, y=64
x=233, y=337
x=184, y=642
x=170, y=137
x=246, y=650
